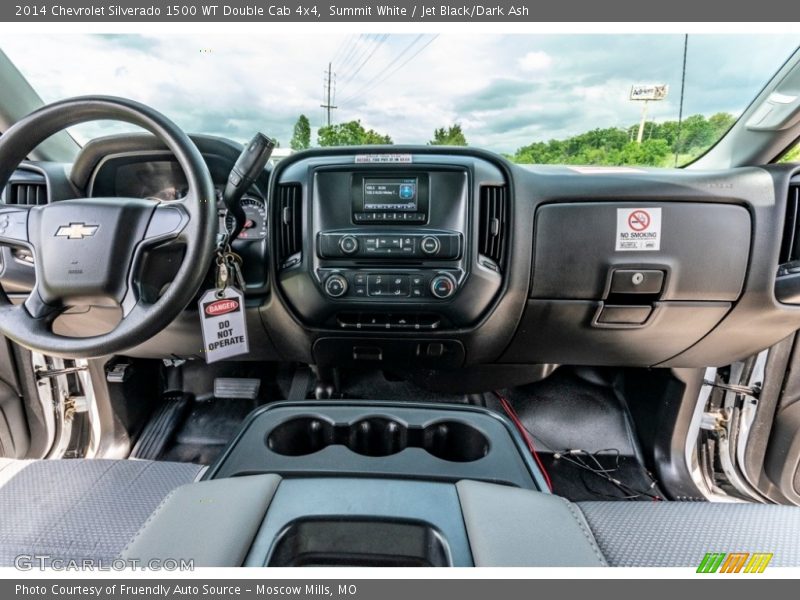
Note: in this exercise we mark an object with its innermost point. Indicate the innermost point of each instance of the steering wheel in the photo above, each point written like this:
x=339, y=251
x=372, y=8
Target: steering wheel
x=87, y=251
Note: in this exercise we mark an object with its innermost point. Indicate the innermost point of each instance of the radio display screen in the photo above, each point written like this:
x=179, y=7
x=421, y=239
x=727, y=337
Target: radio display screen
x=390, y=194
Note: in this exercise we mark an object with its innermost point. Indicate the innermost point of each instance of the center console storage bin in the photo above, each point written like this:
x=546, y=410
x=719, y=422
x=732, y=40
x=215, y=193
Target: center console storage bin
x=414, y=441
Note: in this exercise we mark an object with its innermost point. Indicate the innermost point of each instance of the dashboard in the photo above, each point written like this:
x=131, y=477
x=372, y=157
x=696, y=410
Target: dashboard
x=454, y=264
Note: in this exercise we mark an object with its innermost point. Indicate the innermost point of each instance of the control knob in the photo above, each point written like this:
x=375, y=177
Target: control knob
x=336, y=286
x=348, y=244
x=443, y=286
x=430, y=244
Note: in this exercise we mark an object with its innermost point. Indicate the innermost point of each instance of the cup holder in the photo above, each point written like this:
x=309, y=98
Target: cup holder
x=452, y=441
x=455, y=441
x=377, y=437
x=300, y=436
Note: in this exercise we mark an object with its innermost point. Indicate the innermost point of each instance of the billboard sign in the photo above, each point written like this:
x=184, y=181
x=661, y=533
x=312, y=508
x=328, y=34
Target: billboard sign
x=649, y=91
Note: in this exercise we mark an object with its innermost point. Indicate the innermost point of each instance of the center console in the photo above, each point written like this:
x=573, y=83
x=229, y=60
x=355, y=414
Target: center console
x=387, y=245
x=369, y=484
x=408, y=441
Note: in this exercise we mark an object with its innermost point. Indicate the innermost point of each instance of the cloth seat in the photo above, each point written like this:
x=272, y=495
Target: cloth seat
x=76, y=509
x=91, y=509
x=679, y=534
x=513, y=527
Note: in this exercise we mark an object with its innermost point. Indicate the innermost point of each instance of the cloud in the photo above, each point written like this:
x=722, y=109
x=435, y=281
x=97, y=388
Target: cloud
x=506, y=90
x=535, y=61
x=498, y=94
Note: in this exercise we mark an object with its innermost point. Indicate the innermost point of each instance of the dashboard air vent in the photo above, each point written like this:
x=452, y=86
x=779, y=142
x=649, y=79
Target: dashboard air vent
x=26, y=193
x=790, y=246
x=290, y=243
x=493, y=223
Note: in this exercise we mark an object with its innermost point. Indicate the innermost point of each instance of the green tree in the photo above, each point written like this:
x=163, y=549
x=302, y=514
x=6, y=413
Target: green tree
x=351, y=133
x=617, y=146
x=301, y=136
x=793, y=155
x=450, y=136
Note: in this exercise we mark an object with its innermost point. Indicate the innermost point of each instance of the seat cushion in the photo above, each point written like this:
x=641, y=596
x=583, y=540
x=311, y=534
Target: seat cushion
x=679, y=534
x=77, y=509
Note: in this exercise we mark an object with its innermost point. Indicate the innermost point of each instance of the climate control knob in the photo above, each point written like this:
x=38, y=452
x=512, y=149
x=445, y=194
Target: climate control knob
x=430, y=244
x=348, y=244
x=336, y=286
x=443, y=286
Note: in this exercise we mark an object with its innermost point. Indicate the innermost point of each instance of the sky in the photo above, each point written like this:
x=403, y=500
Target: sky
x=506, y=91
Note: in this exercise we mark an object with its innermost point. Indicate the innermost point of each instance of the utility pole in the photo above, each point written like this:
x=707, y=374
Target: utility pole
x=642, y=122
x=328, y=82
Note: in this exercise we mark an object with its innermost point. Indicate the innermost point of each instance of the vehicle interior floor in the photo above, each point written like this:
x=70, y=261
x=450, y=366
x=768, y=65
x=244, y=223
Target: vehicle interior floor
x=592, y=454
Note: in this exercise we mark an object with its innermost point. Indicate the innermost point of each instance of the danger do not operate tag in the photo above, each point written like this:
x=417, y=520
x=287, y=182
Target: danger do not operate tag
x=223, y=324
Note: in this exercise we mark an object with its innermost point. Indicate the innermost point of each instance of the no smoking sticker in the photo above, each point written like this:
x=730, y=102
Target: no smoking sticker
x=638, y=229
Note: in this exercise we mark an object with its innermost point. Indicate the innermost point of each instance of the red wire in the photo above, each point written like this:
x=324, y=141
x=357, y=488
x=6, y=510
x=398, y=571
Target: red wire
x=512, y=414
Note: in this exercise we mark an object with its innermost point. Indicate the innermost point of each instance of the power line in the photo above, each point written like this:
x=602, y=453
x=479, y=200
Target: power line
x=386, y=68
x=354, y=49
x=386, y=73
x=363, y=48
x=379, y=42
x=340, y=49
x=395, y=59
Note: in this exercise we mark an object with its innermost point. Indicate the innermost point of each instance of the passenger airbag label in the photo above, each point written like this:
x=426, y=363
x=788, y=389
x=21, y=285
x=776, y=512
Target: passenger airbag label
x=223, y=323
x=638, y=229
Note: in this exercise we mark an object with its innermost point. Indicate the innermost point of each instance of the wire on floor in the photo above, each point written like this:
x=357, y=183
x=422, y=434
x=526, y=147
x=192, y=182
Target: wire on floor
x=512, y=414
x=589, y=463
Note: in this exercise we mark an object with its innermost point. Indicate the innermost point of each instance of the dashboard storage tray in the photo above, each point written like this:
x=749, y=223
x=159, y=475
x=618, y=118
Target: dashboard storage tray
x=375, y=439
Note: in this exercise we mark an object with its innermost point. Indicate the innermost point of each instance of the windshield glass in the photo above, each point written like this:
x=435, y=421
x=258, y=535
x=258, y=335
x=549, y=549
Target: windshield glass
x=656, y=100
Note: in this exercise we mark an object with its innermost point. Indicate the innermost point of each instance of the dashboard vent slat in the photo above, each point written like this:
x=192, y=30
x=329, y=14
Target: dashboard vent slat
x=493, y=223
x=790, y=246
x=26, y=193
x=291, y=224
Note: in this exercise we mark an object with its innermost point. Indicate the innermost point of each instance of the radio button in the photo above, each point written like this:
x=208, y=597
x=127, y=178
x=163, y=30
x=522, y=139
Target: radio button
x=348, y=244
x=430, y=245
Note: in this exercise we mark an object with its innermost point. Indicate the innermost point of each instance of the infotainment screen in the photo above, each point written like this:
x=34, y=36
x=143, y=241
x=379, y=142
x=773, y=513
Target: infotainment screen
x=386, y=197
x=395, y=194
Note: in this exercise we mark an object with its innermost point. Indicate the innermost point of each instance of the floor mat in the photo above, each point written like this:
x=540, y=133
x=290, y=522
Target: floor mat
x=209, y=426
x=571, y=410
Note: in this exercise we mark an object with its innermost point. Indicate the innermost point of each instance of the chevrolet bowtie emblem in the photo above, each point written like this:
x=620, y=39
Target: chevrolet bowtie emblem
x=76, y=231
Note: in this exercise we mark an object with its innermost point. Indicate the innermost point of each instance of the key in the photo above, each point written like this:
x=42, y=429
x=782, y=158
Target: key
x=223, y=274
x=235, y=266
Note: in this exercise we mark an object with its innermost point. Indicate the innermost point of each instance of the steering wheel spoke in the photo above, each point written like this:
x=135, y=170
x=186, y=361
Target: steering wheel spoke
x=14, y=226
x=168, y=222
x=39, y=310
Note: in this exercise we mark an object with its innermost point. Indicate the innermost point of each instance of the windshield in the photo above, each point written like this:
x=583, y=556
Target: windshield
x=658, y=100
